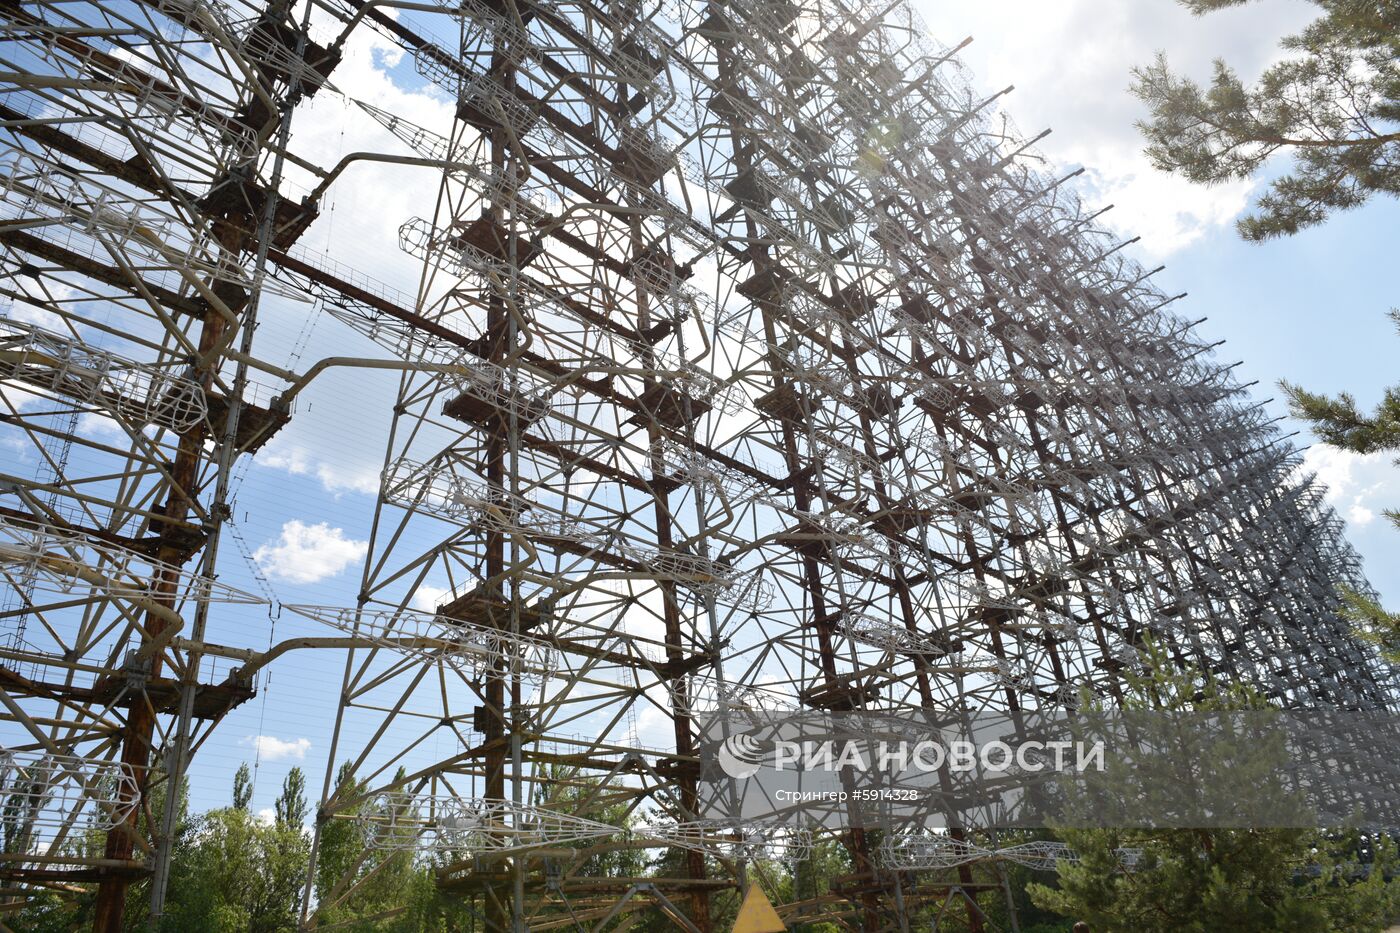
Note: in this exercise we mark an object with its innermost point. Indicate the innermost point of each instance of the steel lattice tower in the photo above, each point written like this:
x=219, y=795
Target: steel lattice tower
x=754, y=364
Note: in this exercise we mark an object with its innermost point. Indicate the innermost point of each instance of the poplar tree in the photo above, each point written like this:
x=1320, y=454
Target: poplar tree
x=290, y=807
x=242, y=787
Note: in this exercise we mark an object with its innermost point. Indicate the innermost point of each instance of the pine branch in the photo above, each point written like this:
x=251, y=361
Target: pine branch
x=1373, y=623
x=1338, y=422
x=1333, y=105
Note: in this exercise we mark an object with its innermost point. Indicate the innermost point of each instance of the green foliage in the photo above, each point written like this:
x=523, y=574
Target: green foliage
x=811, y=878
x=290, y=806
x=1208, y=880
x=343, y=841
x=232, y=872
x=1333, y=102
x=1373, y=623
x=364, y=889
x=242, y=787
x=1216, y=879
x=1337, y=421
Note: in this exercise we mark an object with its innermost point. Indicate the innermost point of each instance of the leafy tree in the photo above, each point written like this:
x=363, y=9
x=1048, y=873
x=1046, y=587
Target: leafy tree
x=359, y=887
x=290, y=807
x=343, y=843
x=1333, y=102
x=811, y=878
x=1199, y=880
x=234, y=873
x=242, y=787
x=23, y=799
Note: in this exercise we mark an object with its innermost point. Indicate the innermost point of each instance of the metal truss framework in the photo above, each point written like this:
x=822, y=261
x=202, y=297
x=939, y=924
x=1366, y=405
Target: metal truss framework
x=924, y=852
x=756, y=364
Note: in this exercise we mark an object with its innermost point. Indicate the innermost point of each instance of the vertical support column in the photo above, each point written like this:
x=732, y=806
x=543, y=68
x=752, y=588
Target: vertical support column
x=138, y=733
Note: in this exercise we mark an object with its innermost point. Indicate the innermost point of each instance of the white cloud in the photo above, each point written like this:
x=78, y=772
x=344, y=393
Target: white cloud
x=1071, y=63
x=21, y=399
x=308, y=553
x=271, y=748
x=94, y=425
x=336, y=476
x=428, y=598
x=1358, y=485
x=1169, y=213
x=267, y=816
x=354, y=402
x=1359, y=515
x=655, y=728
x=20, y=310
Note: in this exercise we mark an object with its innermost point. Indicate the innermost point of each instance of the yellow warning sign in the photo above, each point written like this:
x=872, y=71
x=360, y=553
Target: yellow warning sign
x=756, y=914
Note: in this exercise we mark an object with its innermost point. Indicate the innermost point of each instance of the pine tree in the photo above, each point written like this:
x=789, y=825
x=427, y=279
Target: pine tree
x=1333, y=102
x=1338, y=422
x=1205, y=880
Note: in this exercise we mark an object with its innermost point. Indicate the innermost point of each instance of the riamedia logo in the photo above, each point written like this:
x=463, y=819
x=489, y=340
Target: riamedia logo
x=740, y=756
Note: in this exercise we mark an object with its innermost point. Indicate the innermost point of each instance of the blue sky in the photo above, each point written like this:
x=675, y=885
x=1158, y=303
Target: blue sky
x=1310, y=309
